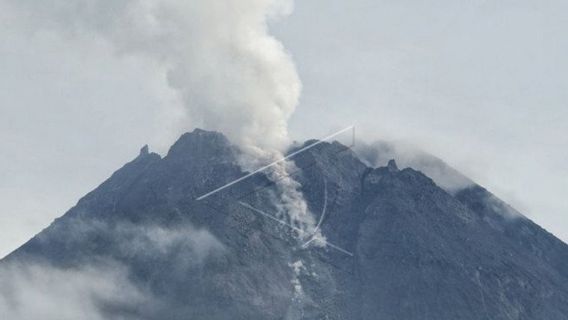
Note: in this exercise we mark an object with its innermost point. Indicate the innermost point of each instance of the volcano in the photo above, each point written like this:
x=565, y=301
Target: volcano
x=396, y=244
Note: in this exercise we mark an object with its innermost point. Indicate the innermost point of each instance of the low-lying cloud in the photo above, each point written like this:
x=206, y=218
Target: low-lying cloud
x=103, y=285
x=378, y=153
x=30, y=291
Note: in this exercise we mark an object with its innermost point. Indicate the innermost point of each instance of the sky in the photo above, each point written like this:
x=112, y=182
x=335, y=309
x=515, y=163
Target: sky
x=480, y=84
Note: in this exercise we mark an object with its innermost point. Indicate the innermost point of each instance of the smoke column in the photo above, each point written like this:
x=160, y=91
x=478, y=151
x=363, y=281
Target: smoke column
x=230, y=73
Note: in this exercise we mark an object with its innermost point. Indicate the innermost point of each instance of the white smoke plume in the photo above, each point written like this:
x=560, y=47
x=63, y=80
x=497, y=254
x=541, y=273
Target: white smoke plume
x=229, y=72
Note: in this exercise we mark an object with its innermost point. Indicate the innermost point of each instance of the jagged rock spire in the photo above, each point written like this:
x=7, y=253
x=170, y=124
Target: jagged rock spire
x=392, y=166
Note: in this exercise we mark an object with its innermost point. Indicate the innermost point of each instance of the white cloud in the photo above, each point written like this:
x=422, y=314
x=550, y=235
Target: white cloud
x=378, y=153
x=38, y=291
x=101, y=288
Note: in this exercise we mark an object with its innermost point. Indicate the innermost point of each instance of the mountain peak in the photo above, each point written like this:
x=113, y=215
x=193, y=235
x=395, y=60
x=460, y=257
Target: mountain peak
x=200, y=144
x=144, y=150
x=392, y=166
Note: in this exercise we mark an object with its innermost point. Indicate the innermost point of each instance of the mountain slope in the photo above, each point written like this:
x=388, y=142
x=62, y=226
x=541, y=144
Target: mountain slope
x=409, y=249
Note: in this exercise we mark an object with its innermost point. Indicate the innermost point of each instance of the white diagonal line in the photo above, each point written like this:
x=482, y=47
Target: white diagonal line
x=324, y=210
x=248, y=206
x=337, y=248
x=273, y=163
x=305, y=245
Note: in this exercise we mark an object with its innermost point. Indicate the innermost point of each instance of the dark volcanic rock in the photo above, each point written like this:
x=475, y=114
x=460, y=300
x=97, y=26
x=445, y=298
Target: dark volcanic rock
x=411, y=249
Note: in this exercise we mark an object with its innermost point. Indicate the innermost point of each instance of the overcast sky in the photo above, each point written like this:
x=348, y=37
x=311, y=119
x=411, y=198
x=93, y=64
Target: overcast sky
x=481, y=84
